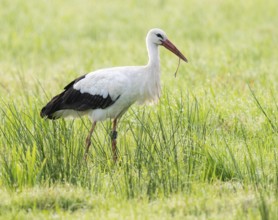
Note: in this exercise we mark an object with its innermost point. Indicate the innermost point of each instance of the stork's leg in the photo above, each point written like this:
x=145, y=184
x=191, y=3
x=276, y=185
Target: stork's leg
x=88, y=140
x=114, y=141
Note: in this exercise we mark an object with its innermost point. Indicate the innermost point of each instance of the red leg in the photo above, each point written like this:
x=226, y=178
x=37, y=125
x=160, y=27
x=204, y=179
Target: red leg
x=114, y=141
x=88, y=140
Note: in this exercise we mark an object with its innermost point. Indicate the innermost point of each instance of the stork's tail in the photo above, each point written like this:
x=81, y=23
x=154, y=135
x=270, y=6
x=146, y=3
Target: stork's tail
x=45, y=113
x=51, y=109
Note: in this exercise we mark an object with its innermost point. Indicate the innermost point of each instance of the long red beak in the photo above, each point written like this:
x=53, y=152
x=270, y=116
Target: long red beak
x=170, y=46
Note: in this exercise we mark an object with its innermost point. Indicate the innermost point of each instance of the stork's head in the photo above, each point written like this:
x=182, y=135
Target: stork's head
x=159, y=37
x=156, y=36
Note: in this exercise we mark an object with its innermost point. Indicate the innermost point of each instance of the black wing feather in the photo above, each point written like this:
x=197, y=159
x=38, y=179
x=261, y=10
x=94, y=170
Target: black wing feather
x=74, y=81
x=72, y=99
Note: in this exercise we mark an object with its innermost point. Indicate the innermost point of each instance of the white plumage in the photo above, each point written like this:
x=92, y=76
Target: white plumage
x=108, y=93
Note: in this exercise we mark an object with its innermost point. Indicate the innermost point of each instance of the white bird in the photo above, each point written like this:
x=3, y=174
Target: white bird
x=108, y=93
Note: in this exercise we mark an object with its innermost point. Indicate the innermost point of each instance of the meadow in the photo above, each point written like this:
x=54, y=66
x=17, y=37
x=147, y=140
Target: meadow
x=207, y=150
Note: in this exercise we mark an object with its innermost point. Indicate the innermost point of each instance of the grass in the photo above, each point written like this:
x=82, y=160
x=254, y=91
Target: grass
x=208, y=150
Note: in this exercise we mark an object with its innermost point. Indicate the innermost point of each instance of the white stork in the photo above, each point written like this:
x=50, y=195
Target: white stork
x=108, y=93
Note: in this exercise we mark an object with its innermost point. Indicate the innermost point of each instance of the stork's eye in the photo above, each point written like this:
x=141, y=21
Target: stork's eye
x=160, y=36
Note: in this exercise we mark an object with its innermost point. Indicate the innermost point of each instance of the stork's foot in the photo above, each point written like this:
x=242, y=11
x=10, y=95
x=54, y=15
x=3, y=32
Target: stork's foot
x=114, y=135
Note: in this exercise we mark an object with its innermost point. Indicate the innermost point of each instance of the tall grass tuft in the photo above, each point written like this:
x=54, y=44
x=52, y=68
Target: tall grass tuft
x=163, y=150
x=36, y=151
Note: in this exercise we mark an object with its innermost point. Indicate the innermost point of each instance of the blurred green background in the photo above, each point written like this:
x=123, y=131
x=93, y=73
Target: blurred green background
x=228, y=43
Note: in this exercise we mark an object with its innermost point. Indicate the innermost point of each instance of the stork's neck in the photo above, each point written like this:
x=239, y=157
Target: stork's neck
x=150, y=90
x=153, y=53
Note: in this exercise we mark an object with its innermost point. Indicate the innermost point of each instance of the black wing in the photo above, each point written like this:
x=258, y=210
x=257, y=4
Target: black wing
x=72, y=99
